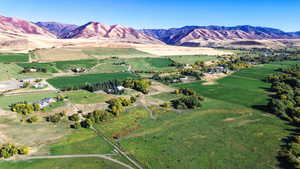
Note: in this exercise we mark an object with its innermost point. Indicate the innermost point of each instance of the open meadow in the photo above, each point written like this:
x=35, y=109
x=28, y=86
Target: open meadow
x=224, y=133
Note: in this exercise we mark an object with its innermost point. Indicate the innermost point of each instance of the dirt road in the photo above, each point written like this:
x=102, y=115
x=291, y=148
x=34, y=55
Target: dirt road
x=78, y=156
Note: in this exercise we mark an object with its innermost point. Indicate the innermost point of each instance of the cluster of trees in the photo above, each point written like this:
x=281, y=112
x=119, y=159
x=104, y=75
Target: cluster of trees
x=286, y=100
x=95, y=117
x=116, y=106
x=187, y=102
x=24, y=108
x=185, y=91
x=56, y=117
x=192, y=72
x=96, y=86
x=34, y=69
x=139, y=85
x=190, y=100
x=168, y=79
x=9, y=150
x=285, y=103
x=263, y=56
x=112, y=86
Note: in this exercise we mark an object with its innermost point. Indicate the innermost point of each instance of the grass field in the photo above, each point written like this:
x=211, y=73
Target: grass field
x=220, y=135
x=85, y=97
x=9, y=71
x=102, y=53
x=54, y=67
x=245, y=87
x=50, y=67
x=58, y=140
x=62, y=82
x=108, y=68
x=5, y=101
x=13, y=71
x=60, y=54
x=67, y=65
x=154, y=64
x=191, y=59
x=227, y=132
x=13, y=57
x=82, y=163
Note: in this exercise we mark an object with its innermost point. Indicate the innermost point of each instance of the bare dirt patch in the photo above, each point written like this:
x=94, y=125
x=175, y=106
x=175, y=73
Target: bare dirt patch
x=165, y=50
x=211, y=79
x=61, y=54
x=229, y=119
x=244, y=122
x=157, y=88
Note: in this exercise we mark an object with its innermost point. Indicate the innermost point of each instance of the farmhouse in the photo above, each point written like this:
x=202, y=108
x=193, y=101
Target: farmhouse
x=45, y=102
x=28, y=80
x=39, y=85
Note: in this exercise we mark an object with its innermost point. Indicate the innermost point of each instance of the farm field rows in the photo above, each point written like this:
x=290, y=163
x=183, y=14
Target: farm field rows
x=102, y=53
x=191, y=59
x=70, y=81
x=13, y=57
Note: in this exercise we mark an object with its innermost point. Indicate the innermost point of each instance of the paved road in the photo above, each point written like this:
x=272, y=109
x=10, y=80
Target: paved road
x=78, y=156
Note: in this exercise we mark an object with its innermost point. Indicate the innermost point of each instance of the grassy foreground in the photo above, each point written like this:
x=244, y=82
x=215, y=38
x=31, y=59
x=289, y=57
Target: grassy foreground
x=227, y=132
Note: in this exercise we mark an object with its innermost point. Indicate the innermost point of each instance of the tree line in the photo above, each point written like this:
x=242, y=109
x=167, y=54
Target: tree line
x=285, y=103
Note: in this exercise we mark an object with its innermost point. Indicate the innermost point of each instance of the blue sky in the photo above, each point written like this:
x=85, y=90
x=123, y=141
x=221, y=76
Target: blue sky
x=280, y=14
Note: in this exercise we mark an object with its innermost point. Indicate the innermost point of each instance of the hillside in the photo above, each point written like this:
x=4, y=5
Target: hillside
x=95, y=30
x=56, y=28
x=12, y=27
x=179, y=36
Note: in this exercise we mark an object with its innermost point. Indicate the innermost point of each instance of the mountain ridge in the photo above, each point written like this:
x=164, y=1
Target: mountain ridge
x=57, y=28
x=10, y=26
x=98, y=30
x=178, y=36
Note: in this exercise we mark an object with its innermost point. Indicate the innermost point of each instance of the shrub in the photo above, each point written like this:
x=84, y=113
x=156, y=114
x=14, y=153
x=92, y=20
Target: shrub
x=32, y=119
x=139, y=85
x=74, y=117
x=187, y=102
x=9, y=150
x=56, y=117
x=75, y=125
x=23, y=108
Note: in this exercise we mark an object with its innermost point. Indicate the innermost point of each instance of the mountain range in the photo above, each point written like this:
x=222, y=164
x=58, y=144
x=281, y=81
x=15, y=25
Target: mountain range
x=178, y=36
x=13, y=28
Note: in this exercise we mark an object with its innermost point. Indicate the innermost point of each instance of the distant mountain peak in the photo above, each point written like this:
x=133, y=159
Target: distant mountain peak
x=95, y=30
x=57, y=28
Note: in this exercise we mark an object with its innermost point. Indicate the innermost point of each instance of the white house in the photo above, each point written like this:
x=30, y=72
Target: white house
x=45, y=102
